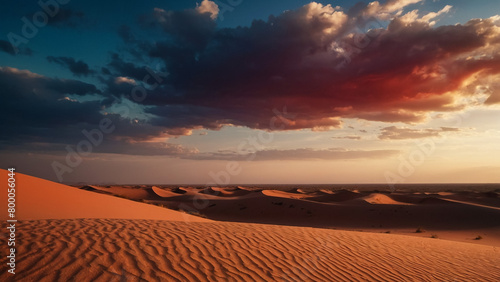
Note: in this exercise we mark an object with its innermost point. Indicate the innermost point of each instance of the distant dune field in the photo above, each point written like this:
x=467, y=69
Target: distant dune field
x=66, y=233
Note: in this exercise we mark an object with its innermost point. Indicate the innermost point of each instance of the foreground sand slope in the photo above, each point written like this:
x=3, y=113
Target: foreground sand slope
x=41, y=199
x=137, y=250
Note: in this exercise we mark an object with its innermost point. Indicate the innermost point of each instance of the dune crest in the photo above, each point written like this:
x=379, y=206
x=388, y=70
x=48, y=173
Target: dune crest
x=381, y=199
x=167, y=193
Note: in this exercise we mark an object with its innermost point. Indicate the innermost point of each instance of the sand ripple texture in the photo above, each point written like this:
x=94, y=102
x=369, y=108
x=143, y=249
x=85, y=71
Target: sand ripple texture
x=150, y=250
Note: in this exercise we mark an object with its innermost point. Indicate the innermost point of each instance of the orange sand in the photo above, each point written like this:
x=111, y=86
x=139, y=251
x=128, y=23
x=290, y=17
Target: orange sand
x=41, y=199
x=69, y=234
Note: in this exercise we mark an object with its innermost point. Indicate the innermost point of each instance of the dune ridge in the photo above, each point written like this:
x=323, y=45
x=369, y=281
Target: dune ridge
x=167, y=193
x=381, y=199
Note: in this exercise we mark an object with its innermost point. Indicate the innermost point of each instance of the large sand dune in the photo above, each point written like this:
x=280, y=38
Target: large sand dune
x=41, y=199
x=82, y=235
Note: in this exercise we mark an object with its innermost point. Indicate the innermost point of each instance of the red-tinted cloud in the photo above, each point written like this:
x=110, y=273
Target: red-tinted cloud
x=317, y=62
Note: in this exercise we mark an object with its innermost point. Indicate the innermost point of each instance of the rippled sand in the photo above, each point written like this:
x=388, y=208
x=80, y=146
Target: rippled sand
x=137, y=250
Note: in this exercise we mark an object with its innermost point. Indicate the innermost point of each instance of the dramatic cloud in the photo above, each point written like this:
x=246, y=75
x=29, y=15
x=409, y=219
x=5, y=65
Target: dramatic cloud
x=42, y=116
x=78, y=68
x=46, y=119
x=318, y=63
x=308, y=68
x=122, y=68
x=395, y=133
x=35, y=101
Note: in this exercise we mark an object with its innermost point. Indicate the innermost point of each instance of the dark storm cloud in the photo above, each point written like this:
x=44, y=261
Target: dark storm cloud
x=188, y=29
x=127, y=69
x=6, y=46
x=78, y=68
x=41, y=116
x=31, y=100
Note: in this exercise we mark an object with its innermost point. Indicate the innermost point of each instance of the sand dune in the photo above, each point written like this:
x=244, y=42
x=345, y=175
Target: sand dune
x=381, y=199
x=133, y=193
x=167, y=193
x=295, y=191
x=41, y=199
x=338, y=196
x=326, y=191
x=284, y=194
x=89, y=188
x=231, y=192
x=250, y=189
x=137, y=250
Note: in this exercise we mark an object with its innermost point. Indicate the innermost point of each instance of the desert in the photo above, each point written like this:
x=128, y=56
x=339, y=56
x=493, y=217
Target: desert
x=238, y=140
x=67, y=233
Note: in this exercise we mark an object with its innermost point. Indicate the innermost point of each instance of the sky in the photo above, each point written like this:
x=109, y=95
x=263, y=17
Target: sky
x=251, y=92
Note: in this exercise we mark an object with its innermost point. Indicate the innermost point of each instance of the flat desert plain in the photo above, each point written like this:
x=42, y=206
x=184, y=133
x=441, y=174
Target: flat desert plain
x=165, y=233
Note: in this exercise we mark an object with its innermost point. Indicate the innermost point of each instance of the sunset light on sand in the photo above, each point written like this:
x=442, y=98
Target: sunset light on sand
x=240, y=140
